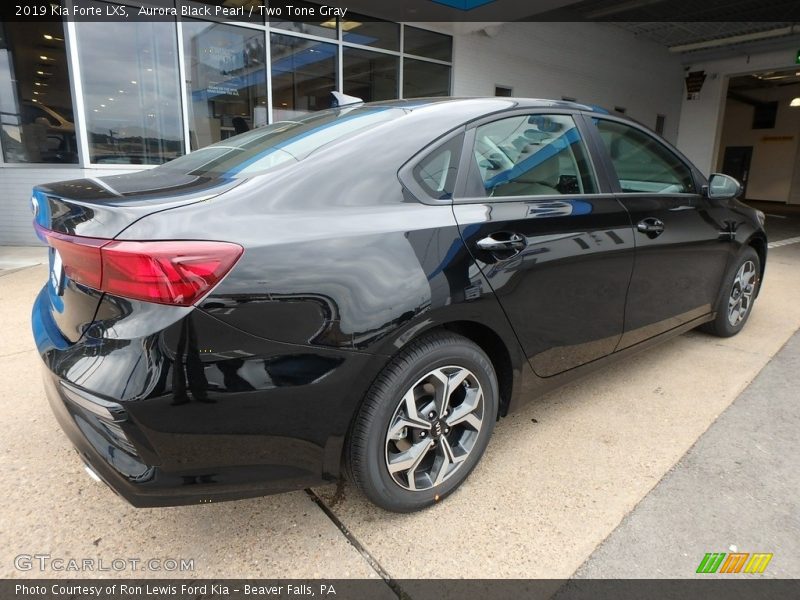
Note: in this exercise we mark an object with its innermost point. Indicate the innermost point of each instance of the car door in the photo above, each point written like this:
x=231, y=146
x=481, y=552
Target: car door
x=681, y=250
x=557, y=251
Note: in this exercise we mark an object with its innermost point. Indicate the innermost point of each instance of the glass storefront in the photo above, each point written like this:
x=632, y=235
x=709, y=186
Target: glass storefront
x=370, y=75
x=131, y=92
x=148, y=92
x=36, y=112
x=303, y=75
x=226, y=80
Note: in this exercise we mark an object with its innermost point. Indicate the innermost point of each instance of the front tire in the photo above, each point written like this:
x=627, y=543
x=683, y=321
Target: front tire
x=739, y=291
x=424, y=424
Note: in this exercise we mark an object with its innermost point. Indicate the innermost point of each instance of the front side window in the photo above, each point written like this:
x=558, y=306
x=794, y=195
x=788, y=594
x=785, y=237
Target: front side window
x=643, y=164
x=131, y=92
x=531, y=155
x=35, y=99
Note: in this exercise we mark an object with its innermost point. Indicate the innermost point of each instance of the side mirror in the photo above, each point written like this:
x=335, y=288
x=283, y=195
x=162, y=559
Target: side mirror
x=723, y=187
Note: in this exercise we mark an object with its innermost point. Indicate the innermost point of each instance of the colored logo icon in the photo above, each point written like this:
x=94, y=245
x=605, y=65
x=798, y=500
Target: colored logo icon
x=736, y=562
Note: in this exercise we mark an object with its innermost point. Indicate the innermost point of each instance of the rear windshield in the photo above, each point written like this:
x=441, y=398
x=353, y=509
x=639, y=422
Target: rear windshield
x=257, y=151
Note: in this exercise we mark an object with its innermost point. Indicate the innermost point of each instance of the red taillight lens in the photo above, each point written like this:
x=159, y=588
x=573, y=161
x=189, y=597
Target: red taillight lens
x=177, y=273
x=167, y=272
x=79, y=255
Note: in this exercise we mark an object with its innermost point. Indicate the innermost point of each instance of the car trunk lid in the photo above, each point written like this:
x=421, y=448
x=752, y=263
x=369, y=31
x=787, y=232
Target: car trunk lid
x=76, y=218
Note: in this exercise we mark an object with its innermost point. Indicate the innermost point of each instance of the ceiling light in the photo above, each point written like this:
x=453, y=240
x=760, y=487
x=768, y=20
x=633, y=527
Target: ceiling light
x=133, y=82
x=735, y=39
x=102, y=106
x=37, y=93
x=47, y=36
x=40, y=72
x=795, y=103
x=43, y=57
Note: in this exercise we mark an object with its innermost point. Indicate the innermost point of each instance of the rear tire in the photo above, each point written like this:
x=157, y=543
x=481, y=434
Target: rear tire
x=739, y=290
x=424, y=424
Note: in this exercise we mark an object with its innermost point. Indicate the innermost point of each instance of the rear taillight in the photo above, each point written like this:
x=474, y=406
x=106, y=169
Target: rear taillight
x=178, y=273
x=167, y=272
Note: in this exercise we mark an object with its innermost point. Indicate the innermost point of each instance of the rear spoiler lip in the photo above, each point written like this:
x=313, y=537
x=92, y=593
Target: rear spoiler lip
x=107, y=218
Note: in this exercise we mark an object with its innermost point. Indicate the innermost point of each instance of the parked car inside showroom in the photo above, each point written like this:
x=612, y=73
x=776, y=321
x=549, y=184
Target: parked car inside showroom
x=367, y=289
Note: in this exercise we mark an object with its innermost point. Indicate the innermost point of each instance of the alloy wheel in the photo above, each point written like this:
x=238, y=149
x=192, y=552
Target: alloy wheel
x=434, y=428
x=741, y=298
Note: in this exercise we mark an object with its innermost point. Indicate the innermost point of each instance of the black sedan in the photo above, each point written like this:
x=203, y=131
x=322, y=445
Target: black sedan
x=366, y=290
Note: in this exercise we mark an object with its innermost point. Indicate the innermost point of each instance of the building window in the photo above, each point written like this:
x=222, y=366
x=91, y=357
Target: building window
x=764, y=115
x=129, y=75
x=366, y=31
x=422, y=79
x=226, y=80
x=303, y=75
x=503, y=91
x=253, y=11
x=370, y=76
x=322, y=28
x=35, y=99
x=427, y=44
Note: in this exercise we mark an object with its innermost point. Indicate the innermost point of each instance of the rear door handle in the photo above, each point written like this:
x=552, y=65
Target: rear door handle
x=651, y=227
x=502, y=242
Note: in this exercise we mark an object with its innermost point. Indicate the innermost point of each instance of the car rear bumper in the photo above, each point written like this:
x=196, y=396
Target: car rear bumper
x=158, y=445
x=108, y=449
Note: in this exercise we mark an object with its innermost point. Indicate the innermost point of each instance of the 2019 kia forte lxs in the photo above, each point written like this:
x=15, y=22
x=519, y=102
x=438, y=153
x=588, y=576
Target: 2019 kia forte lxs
x=366, y=290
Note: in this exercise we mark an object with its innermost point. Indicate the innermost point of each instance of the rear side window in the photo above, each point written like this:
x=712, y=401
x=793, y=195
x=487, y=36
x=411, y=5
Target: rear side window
x=437, y=171
x=643, y=164
x=531, y=155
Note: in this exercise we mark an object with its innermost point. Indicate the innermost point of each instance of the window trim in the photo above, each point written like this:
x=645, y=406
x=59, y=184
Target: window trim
x=600, y=176
x=604, y=156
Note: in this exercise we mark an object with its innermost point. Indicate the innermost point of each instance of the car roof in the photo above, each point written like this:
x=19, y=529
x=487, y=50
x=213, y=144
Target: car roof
x=420, y=103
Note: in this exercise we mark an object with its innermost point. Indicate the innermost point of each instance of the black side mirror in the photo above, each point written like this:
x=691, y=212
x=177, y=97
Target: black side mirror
x=723, y=187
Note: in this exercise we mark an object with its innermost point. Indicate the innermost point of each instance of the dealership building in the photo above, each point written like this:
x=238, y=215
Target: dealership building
x=87, y=99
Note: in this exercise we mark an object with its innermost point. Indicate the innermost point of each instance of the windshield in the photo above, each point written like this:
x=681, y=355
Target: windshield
x=256, y=151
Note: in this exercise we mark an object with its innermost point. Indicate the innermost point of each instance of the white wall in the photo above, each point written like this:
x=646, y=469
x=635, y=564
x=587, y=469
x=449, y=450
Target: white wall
x=701, y=119
x=593, y=63
x=774, y=150
x=16, y=224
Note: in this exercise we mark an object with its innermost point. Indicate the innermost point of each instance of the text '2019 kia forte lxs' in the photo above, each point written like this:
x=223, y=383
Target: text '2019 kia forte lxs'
x=367, y=289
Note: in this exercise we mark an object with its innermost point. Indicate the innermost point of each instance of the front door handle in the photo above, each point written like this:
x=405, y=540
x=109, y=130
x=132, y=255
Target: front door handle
x=502, y=242
x=651, y=227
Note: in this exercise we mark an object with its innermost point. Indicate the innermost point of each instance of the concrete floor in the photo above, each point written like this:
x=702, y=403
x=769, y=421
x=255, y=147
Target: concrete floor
x=557, y=480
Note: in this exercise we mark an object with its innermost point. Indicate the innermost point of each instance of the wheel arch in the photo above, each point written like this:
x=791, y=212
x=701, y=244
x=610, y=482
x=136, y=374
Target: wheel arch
x=758, y=242
x=504, y=353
